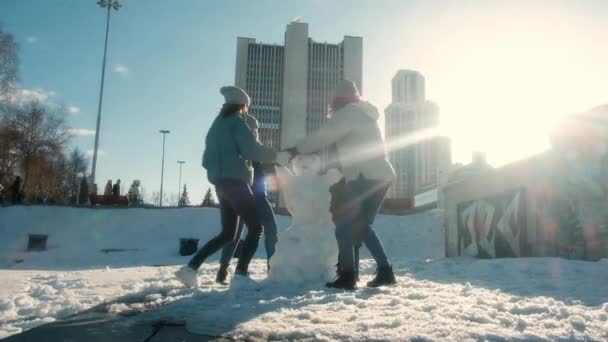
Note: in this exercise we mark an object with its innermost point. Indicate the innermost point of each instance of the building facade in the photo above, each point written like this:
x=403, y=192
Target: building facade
x=417, y=153
x=291, y=85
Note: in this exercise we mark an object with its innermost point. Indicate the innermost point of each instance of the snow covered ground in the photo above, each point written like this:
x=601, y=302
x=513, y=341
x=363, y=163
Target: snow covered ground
x=436, y=298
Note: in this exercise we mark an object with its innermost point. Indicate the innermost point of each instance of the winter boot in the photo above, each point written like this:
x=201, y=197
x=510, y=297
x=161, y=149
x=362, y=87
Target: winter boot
x=241, y=272
x=187, y=276
x=345, y=280
x=384, y=276
x=222, y=273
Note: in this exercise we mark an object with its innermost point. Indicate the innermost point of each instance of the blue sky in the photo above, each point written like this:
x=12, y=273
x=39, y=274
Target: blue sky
x=496, y=68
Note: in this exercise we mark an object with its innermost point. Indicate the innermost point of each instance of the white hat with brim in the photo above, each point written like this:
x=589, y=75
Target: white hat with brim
x=235, y=95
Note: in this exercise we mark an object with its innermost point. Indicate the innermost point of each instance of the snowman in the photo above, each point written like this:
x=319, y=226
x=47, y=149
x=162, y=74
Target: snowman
x=307, y=251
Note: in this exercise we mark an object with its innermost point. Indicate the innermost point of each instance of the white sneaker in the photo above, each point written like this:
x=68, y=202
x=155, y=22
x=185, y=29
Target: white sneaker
x=187, y=275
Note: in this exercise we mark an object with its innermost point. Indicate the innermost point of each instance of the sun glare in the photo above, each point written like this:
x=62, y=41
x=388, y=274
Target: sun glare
x=504, y=102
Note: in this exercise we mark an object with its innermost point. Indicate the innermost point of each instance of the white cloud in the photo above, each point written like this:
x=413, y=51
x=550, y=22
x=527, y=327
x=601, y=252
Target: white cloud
x=99, y=153
x=121, y=69
x=73, y=110
x=31, y=39
x=26, y=95
x=52, y=93
x=82, y=132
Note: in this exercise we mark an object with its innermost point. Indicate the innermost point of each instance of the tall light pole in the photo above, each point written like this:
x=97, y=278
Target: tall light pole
x=110, y=5
x=179, y=184
x=162, y=170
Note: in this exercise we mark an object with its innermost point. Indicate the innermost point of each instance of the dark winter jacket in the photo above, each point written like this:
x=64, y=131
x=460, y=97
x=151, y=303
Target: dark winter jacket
x=228, y=146
x=116, y=190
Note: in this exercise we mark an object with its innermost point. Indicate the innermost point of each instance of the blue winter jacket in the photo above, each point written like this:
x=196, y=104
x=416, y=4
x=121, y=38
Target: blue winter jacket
x=228, y=146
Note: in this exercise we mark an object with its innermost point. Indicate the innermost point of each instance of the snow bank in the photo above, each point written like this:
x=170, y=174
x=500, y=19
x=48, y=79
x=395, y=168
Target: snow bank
x=145, y=237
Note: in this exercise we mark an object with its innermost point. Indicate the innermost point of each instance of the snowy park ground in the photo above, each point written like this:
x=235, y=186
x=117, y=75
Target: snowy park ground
x=435, y=299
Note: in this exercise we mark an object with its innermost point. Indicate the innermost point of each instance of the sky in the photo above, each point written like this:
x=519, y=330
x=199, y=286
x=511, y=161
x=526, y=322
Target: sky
x=501, y=71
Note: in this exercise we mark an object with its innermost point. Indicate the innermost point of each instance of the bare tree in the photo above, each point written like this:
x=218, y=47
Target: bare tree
x=155, y=199
x=38, y=129
x=9, y=62
x=172, y=201
x=8, y=153
x=47, y=177
x=76, y=169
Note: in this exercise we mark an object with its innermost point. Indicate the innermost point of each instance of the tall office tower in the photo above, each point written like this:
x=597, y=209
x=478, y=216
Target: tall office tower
x=417, y=154
x=259, y=70
x=291, y=85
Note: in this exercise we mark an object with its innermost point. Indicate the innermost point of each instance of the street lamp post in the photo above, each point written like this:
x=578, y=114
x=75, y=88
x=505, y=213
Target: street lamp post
x=179, y=183
x=162, y=170
x=110, y=5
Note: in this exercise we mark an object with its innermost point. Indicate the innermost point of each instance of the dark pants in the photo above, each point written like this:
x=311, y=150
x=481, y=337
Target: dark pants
x=266, y=214
x=236, y=200
x=355, y=205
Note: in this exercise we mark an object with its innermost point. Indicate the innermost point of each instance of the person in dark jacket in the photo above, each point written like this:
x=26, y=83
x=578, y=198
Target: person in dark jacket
x=265, y=212
x=116, y=189
x=229, y=145
x=15, y=191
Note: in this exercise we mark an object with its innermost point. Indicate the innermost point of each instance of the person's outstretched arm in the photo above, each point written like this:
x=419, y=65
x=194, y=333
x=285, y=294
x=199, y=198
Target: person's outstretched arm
x=249, y=147
x=334, y=129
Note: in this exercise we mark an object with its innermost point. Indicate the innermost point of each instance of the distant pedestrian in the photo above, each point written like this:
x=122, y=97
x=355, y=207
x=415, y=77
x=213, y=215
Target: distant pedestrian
x=116, y=189
x=15, y=191
x=107, y=191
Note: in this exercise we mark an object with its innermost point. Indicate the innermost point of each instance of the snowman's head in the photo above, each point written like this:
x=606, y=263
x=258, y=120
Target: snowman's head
x=306, y=164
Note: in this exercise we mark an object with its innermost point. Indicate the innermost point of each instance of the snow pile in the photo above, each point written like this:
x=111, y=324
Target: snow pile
x=448, y=299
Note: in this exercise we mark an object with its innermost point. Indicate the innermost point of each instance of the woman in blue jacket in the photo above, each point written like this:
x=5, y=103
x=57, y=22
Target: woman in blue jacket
x=265, y=212
x=228, y=146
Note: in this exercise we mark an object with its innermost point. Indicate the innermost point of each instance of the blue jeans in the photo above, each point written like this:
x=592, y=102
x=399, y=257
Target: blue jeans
x=267, y=218
x=355, y=205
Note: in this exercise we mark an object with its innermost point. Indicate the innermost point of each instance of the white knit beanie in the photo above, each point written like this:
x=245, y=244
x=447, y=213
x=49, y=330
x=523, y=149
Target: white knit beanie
x=346, y=88
x=235, y=95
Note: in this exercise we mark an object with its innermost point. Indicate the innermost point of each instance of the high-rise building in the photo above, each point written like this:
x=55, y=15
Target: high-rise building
x=416, y=152
x=291, y=85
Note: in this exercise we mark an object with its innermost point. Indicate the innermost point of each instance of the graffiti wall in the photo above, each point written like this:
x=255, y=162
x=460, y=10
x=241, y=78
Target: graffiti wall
x=493, y=227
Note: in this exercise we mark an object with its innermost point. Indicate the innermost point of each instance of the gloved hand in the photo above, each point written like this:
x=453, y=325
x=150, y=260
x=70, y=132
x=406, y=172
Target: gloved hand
x=283, y=158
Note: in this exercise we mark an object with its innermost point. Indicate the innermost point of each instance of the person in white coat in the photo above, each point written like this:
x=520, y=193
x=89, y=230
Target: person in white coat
x=361, y=154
